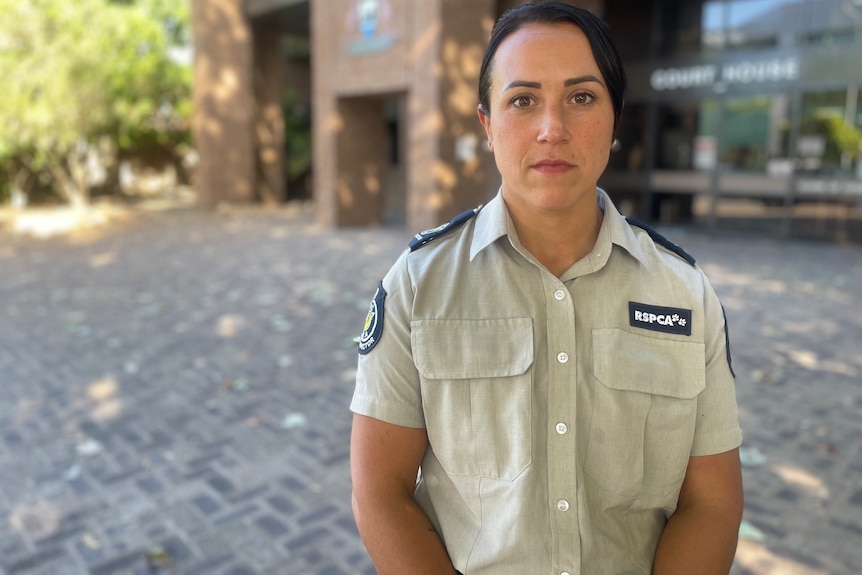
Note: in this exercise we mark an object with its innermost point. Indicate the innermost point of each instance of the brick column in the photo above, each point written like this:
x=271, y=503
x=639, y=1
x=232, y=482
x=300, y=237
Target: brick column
x=223, y=101
x=462, y=150
x=269, y=120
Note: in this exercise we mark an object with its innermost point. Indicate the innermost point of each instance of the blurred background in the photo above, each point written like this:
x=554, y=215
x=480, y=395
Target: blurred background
x=739, y=113
x=197, y=199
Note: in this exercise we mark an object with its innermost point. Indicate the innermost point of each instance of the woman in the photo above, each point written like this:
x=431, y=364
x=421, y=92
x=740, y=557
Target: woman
x=560, y=376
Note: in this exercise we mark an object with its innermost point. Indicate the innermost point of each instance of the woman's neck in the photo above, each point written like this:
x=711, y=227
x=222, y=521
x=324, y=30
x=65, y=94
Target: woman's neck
x=558, y=239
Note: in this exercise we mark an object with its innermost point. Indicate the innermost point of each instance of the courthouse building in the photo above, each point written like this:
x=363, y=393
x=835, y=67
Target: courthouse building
x=729, y=100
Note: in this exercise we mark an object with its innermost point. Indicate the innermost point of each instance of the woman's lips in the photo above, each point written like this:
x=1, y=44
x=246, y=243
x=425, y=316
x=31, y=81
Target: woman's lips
x=552, y=166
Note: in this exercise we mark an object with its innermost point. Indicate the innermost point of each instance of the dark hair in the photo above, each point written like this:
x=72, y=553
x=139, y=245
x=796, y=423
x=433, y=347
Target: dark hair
x=597, y=33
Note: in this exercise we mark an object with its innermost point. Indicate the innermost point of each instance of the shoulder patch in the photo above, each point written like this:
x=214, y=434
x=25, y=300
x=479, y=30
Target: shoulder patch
x=423, y=238
x=661, y=240
x=373, y=322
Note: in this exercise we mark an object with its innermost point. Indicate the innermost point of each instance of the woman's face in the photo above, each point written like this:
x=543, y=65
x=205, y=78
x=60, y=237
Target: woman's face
x=551, y=118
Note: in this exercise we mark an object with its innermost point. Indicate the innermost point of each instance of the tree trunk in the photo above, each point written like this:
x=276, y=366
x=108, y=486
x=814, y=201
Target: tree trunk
x=72, y=187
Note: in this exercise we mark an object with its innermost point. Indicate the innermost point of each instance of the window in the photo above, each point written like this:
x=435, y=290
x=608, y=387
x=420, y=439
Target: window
x=755, y=133
x=687, y=136
x=712, y=23
x=762, y=24
x=711, y=26
x=681, y=26
x=832, y=21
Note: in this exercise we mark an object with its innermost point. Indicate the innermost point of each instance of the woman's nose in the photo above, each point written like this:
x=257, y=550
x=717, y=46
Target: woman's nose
x=553, y=126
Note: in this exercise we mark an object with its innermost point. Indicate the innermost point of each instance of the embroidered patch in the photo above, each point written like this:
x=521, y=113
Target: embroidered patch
x=373, y=322
x=658, y=318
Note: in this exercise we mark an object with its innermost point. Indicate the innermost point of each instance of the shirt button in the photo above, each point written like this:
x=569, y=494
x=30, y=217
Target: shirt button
x=559, y=295
x=563, y=505
x=562, y=428
x=563, y=357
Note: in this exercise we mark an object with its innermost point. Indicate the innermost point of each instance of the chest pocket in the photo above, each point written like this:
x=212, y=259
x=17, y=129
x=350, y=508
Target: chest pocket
x=477, y=393
x=643, y=414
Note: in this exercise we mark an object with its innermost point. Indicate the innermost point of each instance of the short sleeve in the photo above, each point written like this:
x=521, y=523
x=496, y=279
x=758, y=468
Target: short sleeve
x=387, y=383
x=717, y=429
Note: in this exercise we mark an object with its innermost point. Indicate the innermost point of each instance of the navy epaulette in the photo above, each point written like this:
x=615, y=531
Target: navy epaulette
x=428, y=236
x=661, y=240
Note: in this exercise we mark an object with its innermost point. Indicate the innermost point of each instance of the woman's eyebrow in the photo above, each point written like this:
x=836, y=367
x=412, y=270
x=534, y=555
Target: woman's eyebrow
x=582, y=79
x=538, y=85
x=522, y=84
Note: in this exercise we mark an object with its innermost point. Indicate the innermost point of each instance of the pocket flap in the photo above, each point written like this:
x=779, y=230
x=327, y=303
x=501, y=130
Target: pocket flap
x=633, y=362
x=472, y=348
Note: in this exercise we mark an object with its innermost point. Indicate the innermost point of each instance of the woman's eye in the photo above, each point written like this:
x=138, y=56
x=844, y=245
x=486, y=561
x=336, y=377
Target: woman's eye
x=583, y=98
x=522, y=101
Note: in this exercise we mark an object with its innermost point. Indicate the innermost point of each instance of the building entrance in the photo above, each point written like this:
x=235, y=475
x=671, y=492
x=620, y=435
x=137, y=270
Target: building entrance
x=371, y=176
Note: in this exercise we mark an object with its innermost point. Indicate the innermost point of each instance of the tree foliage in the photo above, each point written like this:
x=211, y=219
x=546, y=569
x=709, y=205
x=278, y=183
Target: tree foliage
x=88, y=76
x=843, y=141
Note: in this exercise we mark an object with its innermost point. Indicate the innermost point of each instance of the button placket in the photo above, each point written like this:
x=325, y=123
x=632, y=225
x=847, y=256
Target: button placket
x=561, y=342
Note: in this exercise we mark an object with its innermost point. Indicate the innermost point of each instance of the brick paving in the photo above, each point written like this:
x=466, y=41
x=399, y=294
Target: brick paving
x=176, y=395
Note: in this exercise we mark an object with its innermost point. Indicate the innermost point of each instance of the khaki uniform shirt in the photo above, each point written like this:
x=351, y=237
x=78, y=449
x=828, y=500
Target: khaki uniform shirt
x=560, y=412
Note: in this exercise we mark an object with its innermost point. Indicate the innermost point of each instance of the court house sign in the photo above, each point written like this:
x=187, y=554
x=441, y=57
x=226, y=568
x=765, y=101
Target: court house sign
x=744, y=72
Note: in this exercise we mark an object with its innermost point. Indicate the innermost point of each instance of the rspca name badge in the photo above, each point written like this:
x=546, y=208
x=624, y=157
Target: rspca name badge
x=373, y=322
x=659, y=318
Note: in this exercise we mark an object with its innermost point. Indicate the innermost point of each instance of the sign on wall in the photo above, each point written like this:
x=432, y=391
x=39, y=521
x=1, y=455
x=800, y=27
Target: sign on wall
x=369, y=27
x=732, y=73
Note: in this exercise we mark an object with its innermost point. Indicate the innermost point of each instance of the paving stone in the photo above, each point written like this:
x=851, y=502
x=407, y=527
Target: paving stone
x=271, y=526
x=207, y=566
x=307, y=537
x=788, y=495
x=150, y=485
x=185, y=519
x=852, y=529
x=259, y=552
x=800, y=557
x=255, y=493
x=206, y=504
x=318, y=514
x=221, y=484
x=32, y=563
x=240, y=515
x=283, y=505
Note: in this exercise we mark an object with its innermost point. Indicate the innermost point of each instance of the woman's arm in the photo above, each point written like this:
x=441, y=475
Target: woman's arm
x=702, y=534
x=384, y=462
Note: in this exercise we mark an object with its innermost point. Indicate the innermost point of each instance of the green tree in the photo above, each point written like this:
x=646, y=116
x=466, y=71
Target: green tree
x=85, y=76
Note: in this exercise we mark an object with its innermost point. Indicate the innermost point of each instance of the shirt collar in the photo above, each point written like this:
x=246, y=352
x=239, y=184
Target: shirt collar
x=493, y=222
x=619, y=231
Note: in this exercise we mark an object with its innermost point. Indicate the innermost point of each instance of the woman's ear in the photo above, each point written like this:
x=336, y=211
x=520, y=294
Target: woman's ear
x=485, y=120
